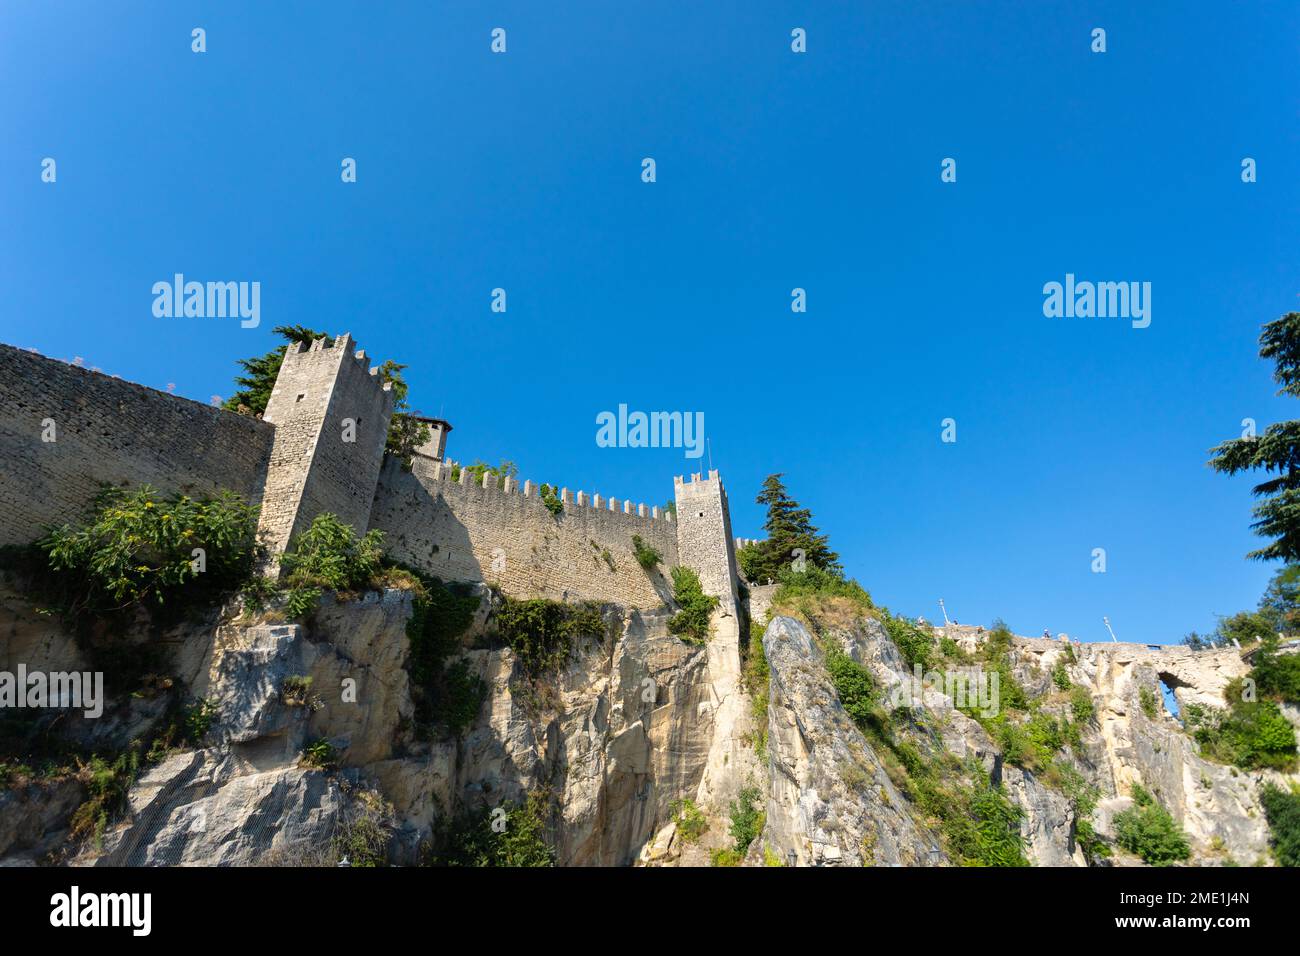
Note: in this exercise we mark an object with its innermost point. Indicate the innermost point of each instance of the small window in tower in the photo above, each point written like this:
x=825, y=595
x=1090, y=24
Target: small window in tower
x=701, y=514
x=301, y=396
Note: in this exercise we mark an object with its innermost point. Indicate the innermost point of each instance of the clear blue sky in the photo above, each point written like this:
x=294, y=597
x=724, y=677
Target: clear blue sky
x=775, y=170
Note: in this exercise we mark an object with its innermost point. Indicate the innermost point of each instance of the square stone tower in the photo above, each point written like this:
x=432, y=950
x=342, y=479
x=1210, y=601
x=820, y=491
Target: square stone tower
x=704, y=541
x=331, y=415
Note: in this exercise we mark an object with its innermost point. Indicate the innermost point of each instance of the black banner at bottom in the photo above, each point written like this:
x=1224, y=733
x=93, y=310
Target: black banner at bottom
x=337, y=906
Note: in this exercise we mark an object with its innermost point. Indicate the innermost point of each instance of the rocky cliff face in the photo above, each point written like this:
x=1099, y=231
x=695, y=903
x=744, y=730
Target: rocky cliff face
x=616, y=738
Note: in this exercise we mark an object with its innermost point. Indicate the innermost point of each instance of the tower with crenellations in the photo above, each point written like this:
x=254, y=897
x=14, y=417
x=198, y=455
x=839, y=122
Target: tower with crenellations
x=704, y=541
x=331, y=412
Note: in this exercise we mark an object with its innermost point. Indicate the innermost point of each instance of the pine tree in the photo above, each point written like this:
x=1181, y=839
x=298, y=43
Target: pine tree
x=261, y=370
x=1276, y=450
x=789, y=531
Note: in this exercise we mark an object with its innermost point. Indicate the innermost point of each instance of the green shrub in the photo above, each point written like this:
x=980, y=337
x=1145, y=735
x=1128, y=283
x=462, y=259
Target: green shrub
x=1282, y=810
x=1147, y=701
x=856, y=688
x=137, y=546
x=690, y=820
x=817, y=582
x=646, y=556
x=1253, y=735
x=691, y=623
x=549, y=498
x=996, y=654
x=1061, y=676
x=725, y=856
x=1081, y=705
x=320, y=753
x=480, y=469
x=747, y=818
x=915, y=643
x=330, y=555
x=198, y=719
x=1148, y=830
x=1276, y=676
x=541, y=632
x=107, y=785
x=511, y=836
x=982, y=827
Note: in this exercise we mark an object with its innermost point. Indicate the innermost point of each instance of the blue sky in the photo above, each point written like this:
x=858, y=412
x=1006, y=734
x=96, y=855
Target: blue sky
x=775, y=171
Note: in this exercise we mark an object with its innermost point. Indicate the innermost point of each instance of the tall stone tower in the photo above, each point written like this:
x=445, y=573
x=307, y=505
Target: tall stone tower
x=331, y=415
x=704, y=541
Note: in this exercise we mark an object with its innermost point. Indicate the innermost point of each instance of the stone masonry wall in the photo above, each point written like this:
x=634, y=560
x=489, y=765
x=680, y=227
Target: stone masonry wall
x=463, y=531
x=109, y=430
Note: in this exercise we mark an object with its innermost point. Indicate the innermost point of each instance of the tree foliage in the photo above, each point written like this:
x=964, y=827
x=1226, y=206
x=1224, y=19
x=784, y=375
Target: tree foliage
x=791, y=538
x=1276, y=450
x=260, y=371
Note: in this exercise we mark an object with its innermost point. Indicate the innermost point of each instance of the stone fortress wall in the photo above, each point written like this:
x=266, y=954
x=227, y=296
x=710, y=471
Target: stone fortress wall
x=501, y=532
x=107, y=430
x=298, y=462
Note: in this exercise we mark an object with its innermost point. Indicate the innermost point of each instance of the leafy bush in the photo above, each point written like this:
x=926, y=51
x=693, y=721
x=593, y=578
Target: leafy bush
x=915, y=643
x=1148, y=830
x=480, y=469
x=646, y=556
x=996, y=654
x=1276, y=676
x=1282, y=810
x=198, y=719
x=1147, y=701
x=725, y=856
x=330, y=555
x=320, y=753
x=541, y=632
x=690, y=820
x=1252, y=735
x=140, y=547
x=552, y=501
x=405, y=434
x=107, y=784
x=691, y=623
x=1081, y=705
x=988, y=832
x=515, y=837
x=1061, y=676
x=747, y=819
x=856, y=688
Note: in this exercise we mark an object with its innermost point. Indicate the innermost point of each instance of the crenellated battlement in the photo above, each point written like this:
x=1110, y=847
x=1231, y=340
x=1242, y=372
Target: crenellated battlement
x=491, y=484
